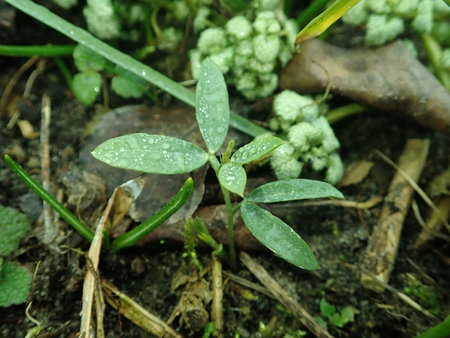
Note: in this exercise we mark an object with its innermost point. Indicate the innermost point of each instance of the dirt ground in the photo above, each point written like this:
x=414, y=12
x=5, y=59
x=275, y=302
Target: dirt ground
x=339, y=237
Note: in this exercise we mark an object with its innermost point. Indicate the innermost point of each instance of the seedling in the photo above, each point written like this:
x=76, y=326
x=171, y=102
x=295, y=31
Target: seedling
x=337, y=319
x=127, y=239
x=160, y=154
x=15, y=280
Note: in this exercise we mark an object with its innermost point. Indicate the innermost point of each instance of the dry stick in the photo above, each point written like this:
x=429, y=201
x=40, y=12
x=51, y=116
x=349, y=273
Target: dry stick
x=136, y=313
x=50, y=231
x=12, y=82
x=248, y=284
x=385, y=238
x=92, y=273
x=217, y=302
x=434, y=222
x=281, y=295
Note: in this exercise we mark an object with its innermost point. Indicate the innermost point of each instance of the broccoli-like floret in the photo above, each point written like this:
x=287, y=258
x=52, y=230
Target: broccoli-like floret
x=201, y=19
x=212, y=40
x=290, y=106
x=423, y=22
x=266, y=48
x=356, y=15
x=304, y=135
x=284, y=165
x=238, y=28
x=101, y=19
x=381, y=29
x=266, y=23
x=249, y=53
x=330, y=142
x=335, y=169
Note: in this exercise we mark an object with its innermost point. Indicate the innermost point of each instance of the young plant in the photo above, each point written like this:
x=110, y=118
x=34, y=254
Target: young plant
x=127, y=239
x=15, y=280
x=159, y=154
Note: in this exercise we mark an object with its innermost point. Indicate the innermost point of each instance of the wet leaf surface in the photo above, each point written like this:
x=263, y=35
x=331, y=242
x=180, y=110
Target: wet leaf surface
x=159, y=189
x=388, y=78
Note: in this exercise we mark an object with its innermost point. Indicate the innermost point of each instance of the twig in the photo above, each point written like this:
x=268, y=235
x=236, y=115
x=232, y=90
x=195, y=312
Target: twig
x=32, y=78
x=281, y=295
x=12, y=82
x=248, y=284
x=91, y=273
x=385, y=238
x=418, y=189
x=217, y=301
x=136, y=313
x=50, y=231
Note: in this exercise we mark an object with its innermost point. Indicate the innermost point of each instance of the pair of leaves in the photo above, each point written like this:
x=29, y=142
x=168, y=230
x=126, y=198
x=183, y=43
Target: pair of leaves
x=272, y=231
x=86, y=85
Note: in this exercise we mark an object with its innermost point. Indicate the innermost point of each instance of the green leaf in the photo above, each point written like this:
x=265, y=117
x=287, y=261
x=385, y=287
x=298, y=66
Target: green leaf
x=126, y=87
x=320, y=23
x=212, y=109
x=15, y=284
x=86, y=86
x=291, y=190
x=257, y=148
x=156, y=154
x=86, y=59
x=13, y=227
x=278, y=236
x=327, y=309
x=233, y=177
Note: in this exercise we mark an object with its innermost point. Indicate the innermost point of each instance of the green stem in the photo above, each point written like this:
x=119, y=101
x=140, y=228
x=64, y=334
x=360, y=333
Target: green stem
x=343, y=112
x=230, y=226
x=65, y=71
x=434, y=53
x=83, y=37
x=81, y=228
x=132, y=236
x=29, y=51
x=230, y=213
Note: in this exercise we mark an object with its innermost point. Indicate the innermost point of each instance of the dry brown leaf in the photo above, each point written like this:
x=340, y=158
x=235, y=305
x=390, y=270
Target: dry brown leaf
x=388, y=78
x=355, y=173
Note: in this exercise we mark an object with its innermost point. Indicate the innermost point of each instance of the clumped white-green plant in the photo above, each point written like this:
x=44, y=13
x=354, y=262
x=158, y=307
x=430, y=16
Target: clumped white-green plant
x=386, y=19
x=248, y=50
x=310, y=138
x=160, y=154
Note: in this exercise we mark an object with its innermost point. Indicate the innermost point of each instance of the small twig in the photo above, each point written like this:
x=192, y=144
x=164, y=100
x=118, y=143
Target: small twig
x=248, y=284
x=385, y=237
x=50, y=231
x=92, y=273
x=399, y=294
x=418, y=189
x=32, y=78
x=217, y=302
x=282, y=296
x=12, y=82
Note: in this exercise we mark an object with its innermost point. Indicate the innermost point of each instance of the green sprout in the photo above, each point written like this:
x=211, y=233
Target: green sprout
x=160, y=154
x=127, y=239
x=339, y=319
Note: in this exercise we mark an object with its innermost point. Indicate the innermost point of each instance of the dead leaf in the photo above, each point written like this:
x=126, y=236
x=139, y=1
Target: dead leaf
x=388, y=78
x=355, y=173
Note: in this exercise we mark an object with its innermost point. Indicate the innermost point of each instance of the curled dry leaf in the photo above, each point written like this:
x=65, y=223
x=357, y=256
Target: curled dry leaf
x=388, y=78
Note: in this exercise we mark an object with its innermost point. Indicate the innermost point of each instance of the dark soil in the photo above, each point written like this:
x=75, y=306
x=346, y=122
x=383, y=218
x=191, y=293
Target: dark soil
x=338, y=236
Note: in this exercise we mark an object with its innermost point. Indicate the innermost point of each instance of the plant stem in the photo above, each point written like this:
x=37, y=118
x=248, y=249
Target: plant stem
x=343, y=112
x=43, y=51
x=230, y=212
x=132, y=236
x=154, y=77
x=230, y=225
x=81, y=228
